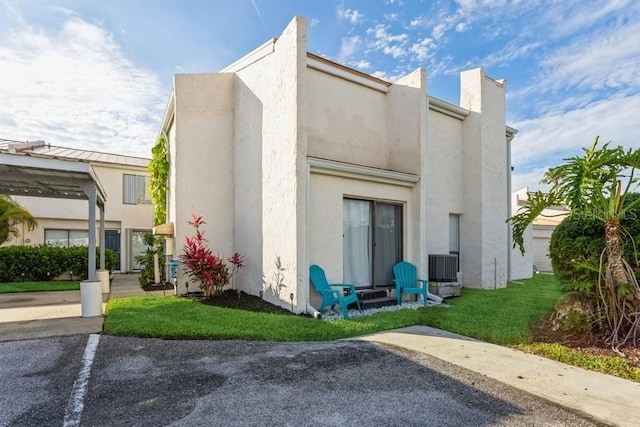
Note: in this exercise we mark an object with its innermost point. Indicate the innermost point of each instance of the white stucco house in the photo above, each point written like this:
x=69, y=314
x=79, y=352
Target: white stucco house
x=537, y=237
x=296, y=160
x=128, y=212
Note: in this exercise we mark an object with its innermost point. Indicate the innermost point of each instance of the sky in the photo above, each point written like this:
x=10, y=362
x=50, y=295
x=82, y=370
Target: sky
x=97, y=75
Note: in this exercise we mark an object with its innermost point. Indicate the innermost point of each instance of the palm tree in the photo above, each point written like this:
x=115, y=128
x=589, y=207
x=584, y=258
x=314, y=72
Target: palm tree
x=594, y=186
x=11, y=215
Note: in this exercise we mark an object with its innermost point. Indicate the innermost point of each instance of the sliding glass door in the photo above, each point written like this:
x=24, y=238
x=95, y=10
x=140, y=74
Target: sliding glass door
x=372, y=241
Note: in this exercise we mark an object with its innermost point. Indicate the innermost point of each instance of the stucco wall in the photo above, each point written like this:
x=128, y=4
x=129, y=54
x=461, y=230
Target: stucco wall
x=276, y=83
x=349, y=121
x=248, y=204
x=485, y=246
x=202, y=158
x=444, y=174
x=360, y=125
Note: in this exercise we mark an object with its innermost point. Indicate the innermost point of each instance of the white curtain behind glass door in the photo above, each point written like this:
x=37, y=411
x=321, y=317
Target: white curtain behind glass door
x=356, y=233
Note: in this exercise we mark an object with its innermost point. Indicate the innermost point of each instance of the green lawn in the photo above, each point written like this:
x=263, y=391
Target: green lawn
x=502, y=316
x=181, y=318
x=58, y=285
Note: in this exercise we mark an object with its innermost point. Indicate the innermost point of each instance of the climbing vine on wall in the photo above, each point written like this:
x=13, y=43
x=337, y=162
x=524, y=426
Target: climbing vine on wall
x=159, y=169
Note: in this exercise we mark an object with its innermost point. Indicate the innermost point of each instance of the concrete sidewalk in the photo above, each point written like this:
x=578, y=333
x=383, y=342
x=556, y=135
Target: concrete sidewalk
x=29, y=315
x=605, y=398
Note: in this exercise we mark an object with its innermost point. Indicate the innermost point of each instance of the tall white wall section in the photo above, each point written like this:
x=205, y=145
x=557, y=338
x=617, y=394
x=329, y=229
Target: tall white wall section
x=202, y=159
x=275, y=84
x=406, y=144
x=484, y=230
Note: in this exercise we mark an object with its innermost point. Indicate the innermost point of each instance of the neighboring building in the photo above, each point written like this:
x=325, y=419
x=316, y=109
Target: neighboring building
x=63, y=222
x=537, y=236
x=296, y=160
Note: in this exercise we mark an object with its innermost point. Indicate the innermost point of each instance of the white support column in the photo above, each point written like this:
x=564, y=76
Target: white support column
x=102, y=237
x=91, y=192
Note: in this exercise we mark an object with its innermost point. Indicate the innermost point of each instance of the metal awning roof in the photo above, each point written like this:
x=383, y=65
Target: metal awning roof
x=24, y=175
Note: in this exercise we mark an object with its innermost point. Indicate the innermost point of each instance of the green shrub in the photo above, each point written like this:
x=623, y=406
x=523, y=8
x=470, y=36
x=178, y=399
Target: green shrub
x=146, y=260
x=40, y=263
x=577, y=244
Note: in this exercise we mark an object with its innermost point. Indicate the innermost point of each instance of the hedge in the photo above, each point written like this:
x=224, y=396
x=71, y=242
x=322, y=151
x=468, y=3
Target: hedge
x=41, y=263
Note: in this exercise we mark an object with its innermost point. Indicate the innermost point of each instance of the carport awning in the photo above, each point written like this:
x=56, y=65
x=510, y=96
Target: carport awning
x=26, y=175
x=22, y=175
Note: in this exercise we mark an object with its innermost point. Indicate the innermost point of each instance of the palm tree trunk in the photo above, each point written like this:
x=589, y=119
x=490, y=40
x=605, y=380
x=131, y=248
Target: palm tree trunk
x=614, y=252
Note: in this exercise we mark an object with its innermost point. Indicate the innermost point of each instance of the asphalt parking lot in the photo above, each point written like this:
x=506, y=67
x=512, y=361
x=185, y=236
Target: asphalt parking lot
x=150, y=382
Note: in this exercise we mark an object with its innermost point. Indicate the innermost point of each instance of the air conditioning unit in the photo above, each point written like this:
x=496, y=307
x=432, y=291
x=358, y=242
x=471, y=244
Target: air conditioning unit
x=443, y=268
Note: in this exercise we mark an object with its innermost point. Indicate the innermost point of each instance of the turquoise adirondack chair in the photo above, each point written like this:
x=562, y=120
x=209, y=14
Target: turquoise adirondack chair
x=332, y=294
x=407, y=282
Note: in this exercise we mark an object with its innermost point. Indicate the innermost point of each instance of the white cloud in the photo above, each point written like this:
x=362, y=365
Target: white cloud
x=389, y=44
x=391, y=16
x=570, y=18
x=389, y=77
x=313, y=22
x=512, y=51
x=551, y=138
x=76, y=88
x=395, y=51
x=257, y=9
x=348, y=47
x=417, y=22
x=350, y=15
x=422, y=49
x=361, y=65
x=604, y=59
x=438, y=31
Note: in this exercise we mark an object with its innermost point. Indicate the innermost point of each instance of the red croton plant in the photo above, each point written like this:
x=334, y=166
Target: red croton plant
x=212, y=272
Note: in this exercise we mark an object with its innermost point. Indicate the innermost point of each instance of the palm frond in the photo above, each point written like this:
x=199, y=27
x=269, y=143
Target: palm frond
x=536, y=203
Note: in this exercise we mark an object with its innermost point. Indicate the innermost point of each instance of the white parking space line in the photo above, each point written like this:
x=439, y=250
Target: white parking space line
x=76, y=400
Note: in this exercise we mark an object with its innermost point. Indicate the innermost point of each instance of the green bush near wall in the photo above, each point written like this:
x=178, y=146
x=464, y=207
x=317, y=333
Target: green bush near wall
x=578, y=241
x=40, y=263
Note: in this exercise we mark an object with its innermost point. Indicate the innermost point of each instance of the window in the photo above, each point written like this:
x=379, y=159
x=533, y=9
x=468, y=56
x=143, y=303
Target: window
x=66, y=238
x=454, y=236
x=138, y=247
x=135, y=190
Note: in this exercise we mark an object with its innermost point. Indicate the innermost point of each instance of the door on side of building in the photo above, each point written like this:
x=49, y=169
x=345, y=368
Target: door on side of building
x=112, y=241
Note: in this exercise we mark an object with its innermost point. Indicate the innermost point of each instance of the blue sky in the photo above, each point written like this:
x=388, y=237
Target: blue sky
x=97, y=74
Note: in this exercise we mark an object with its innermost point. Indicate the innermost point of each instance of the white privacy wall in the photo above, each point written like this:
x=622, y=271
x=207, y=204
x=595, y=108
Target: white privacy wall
x=202, y=158
x=276, y=84
x=484, y=230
